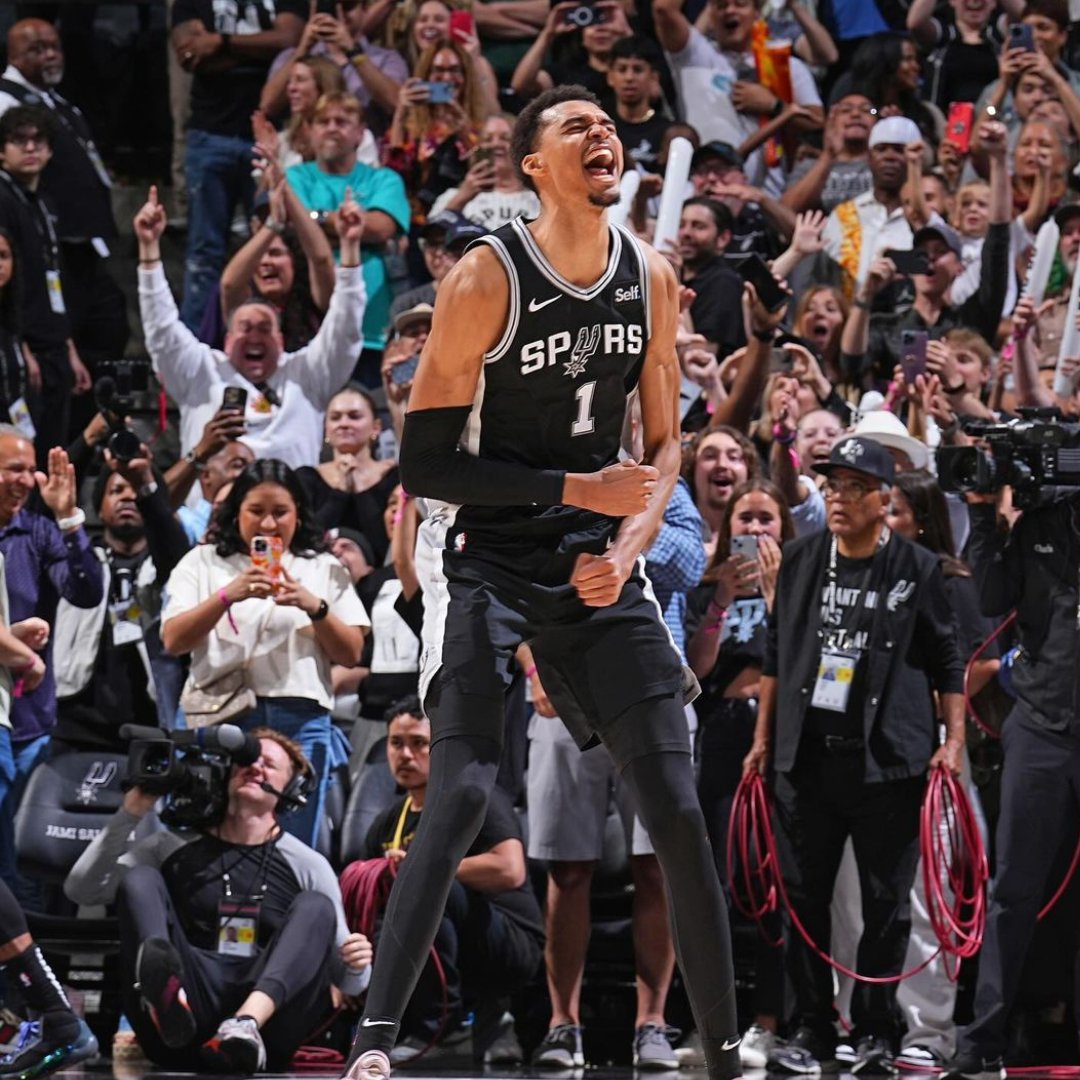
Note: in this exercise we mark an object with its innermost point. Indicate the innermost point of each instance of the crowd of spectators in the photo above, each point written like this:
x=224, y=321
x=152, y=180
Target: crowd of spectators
x=910, y=171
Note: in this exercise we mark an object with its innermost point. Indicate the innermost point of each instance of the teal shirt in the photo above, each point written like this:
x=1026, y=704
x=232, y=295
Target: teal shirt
x=373, y=189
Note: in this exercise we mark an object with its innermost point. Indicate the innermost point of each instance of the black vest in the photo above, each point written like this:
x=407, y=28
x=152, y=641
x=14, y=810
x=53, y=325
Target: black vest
x=75, y=188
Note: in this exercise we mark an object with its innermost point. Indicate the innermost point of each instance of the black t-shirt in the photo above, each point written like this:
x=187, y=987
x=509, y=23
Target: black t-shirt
x=195, y=877
x=641, y=142
x=717, y=309
x=222, y=101
x=847, y=618
x=958, y=71
x=360, y=510
x=518, y=905
x=742, y=640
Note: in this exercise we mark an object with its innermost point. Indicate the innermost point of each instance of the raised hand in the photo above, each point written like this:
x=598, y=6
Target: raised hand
x=58, y=489
x=149, y=222
x=807, y=239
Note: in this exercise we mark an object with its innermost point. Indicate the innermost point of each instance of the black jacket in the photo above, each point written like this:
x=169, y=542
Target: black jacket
x=1036, y=569
x=912, y=650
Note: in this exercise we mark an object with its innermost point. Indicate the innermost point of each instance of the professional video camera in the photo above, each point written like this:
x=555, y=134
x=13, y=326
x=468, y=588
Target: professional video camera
x=114, y=393
x=1038, y=450
x=191, y=767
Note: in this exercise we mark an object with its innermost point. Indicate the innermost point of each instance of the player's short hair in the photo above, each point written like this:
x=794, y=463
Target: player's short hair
x=721, y=214
x=530, y=123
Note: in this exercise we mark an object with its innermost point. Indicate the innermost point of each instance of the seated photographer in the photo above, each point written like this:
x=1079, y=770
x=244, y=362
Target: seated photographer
x=105, y=656
x=272, y=616
x=232, y=932
x=491, y=938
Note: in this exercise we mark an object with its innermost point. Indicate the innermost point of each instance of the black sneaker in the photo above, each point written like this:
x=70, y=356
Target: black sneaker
x=804, y=1054
x=560, y=1049
x=873, y=1057
x=970, y=1066
x=158, y=972
x=35, y=1054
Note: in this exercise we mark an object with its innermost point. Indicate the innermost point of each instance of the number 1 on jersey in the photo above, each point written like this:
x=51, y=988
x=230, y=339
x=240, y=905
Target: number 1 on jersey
x=584, y=424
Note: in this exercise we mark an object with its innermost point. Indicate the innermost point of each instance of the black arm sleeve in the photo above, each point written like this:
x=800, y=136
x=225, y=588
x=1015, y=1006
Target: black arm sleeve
x=432, y=466
x=165, y=536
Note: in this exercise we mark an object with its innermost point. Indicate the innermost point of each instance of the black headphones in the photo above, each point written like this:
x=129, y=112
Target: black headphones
x=301, y=786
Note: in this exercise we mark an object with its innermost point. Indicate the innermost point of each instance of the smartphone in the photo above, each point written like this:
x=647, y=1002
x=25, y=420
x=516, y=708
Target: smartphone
x=234, y=398
x=462, y=25
x=752, y=268
x=266, y=552
x=439, y=93
x=482, y=153
x=961, y=121
x=746, y=547
x=909, y=263
x=405, y=371
x=1021, y=36
x=779, y=360
x=913, y=353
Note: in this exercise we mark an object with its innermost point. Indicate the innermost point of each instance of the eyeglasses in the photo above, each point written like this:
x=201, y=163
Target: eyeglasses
x=855, y=110
x=23, y=141
x=847, y=490
x=449, y=69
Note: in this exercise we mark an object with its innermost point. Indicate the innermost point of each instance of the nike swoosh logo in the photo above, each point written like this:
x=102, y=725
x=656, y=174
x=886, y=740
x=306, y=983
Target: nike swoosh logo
x=368, y=1022
x=534, y=306
x=730, y=1044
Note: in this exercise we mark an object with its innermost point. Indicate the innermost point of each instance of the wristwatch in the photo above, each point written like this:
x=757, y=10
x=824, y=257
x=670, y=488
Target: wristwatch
x=320, y=612
x=194, y=462
x=226, y=44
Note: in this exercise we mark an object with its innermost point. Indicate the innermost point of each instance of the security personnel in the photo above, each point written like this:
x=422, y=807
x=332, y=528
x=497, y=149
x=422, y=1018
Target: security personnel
x=860, y=635
x=1034, y=569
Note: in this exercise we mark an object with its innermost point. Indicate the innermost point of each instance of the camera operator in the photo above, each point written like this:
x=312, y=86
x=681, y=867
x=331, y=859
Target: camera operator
x=1034, y=569
x=107, y=655
x=232, y=935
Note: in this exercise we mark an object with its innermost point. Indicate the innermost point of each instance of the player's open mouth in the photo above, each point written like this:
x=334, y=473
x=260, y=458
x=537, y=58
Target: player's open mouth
x=600, y=164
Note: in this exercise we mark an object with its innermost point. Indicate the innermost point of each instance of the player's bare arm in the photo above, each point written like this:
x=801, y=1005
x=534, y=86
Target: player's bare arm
x=600, y=578
x=469, y=319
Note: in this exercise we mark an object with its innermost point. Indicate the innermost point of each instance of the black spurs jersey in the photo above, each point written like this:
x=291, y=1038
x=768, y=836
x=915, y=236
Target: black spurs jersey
x=555, y=391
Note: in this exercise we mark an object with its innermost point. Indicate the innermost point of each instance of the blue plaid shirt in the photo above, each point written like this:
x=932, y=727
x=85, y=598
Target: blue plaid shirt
x=675, y=562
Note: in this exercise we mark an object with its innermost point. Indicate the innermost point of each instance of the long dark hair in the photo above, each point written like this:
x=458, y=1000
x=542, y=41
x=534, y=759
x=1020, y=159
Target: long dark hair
x=225, y=529
x=931, y=514
x=874, y=66
x=723, y=535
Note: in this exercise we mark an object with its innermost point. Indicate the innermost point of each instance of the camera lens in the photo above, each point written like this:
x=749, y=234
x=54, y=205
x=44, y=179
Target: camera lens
x=581, y=17
x=124, y=445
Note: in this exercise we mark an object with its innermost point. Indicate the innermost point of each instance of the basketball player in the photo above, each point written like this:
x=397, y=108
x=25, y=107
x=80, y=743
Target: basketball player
x=542, y=335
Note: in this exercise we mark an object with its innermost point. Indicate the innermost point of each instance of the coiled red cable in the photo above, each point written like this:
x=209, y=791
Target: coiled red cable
x=954, y=862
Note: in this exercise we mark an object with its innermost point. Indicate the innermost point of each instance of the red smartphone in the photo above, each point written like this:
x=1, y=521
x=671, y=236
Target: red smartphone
x=961, y=121
x=462, y=25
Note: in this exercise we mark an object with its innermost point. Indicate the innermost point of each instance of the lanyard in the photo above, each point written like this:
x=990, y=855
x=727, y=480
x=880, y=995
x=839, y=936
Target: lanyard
x=40, y=216
x=833, y=627
x=266, y=851
x=399, y=830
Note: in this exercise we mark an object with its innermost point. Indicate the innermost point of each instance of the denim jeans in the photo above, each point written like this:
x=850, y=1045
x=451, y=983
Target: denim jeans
x=219, y=177
x=17, y=762
x=310, y=725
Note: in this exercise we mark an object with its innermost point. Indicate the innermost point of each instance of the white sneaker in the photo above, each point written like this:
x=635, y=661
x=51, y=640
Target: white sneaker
x=689, y=1054
x=238, y=1041
x=756, y=1046
x=370, y=1065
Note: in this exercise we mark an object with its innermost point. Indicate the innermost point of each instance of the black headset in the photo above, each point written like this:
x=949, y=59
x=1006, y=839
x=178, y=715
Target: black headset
x=301, y=786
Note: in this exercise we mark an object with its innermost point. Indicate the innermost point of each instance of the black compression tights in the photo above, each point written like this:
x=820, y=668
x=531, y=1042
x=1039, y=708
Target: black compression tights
x=666, y=797
x=463, y=770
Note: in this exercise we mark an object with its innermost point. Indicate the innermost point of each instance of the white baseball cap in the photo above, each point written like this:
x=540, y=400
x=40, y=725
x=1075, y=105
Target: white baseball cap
x=895, y=130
